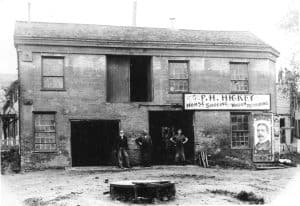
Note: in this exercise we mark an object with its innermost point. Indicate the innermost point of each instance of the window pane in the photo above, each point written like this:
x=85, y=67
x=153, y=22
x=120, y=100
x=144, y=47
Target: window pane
x=240, y=133
x=43, y=147
x=45, y=122
x=44, y=137
x=178, y=85
x=239, y=77
x=239, y=71
x=178, y=70
x=239, y=85
x=45, y=132
x=233, y=119
x=53, y=66
x=53, y=82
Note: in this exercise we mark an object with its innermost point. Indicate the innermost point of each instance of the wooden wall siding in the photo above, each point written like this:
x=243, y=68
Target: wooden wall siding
x=118, y=78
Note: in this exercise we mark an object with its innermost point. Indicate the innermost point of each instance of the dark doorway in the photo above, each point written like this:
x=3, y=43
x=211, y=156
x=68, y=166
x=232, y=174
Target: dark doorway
x=140, y=79
x=92, y=142
x=163, y=125
x=282, y=130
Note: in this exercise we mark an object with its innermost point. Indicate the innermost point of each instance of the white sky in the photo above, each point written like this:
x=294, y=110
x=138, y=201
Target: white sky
x=258, y=16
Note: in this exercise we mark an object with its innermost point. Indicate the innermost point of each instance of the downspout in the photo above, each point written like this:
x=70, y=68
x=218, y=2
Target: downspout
x=19, y=104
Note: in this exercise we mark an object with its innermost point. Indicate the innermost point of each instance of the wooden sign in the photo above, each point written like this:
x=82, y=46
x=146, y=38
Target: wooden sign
x=201, y=101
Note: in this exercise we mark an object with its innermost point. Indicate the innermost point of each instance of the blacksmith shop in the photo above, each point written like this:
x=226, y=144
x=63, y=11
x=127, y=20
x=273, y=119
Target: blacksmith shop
x=81, y=84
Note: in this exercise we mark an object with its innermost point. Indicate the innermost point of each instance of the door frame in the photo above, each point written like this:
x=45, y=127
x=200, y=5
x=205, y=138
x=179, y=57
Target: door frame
x=192, y=115
x=88, y=120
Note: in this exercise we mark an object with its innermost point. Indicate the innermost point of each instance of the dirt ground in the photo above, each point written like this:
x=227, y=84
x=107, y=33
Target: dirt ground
x=194, y=185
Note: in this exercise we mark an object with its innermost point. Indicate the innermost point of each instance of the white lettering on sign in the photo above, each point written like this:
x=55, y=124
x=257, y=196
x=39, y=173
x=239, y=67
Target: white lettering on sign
x=227, y=102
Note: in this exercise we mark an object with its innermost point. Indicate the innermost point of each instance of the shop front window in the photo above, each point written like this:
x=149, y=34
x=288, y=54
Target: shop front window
x=239, y=130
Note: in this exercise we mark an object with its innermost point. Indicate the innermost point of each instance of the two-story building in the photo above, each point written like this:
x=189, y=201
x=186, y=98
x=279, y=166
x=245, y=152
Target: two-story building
x=80, y=84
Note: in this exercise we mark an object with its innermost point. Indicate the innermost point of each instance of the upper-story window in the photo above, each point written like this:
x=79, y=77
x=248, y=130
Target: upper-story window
x=53, y=73
x=239, y=77
x=178, y=76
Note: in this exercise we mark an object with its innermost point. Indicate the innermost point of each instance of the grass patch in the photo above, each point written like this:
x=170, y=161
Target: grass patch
x=40, y=202
x=293, y=156
x=250, y=197
x=243, y=196
x=191, y=176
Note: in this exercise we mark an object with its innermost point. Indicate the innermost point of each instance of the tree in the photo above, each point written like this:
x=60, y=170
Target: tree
x=290, y=26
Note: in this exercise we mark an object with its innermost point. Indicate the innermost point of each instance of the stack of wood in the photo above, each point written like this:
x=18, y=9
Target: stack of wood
x=202, y=159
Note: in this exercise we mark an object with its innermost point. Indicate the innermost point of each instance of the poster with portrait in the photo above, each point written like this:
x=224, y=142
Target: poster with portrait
x=263, y=138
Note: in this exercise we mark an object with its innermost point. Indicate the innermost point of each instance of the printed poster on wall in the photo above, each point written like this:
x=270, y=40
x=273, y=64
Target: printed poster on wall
x=263, y=150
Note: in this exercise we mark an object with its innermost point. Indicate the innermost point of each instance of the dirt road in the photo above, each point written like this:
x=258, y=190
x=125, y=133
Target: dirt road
x=194, y=185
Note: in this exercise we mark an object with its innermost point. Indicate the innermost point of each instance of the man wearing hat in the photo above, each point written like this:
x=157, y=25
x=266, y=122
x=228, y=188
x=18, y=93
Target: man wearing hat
x=145, y=143
x=122, y=147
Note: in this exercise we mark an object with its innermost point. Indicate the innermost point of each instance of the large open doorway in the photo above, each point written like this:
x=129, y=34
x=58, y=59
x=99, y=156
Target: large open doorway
x=92, y=142
x=140, y=79
x=162, y=126
x=129, y=78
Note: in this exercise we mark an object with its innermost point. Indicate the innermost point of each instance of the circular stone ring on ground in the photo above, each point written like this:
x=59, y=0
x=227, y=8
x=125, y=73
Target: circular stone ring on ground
x=143, y=191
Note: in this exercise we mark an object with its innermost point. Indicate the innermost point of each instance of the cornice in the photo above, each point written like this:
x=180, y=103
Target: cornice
x=161, y=45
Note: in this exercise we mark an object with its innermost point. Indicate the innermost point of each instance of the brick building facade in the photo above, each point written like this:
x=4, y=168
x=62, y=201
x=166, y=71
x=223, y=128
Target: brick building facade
x=79, y=84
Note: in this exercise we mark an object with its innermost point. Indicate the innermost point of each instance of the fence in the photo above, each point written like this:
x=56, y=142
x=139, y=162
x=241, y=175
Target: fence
x=284, y=148
x=8, y=143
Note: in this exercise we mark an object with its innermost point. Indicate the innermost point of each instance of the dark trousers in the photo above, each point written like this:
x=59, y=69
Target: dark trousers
x=123, y=156
x=179, y=156
x=146, y=158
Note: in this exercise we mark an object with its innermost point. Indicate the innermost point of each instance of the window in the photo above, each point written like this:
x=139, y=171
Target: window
x=282, y=130
x=296, y=131
x=53, y=73
x=239, y=77
x=239, y=130
x=44, y=132
x=178, y=76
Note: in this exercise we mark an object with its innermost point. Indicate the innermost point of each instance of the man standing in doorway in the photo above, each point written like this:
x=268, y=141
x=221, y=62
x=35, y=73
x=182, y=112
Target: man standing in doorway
x=145, y=144
x=179, y=140
x=122, y=147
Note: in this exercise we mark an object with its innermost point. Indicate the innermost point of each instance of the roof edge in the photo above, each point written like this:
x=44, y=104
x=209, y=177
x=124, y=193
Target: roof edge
x=72, y=42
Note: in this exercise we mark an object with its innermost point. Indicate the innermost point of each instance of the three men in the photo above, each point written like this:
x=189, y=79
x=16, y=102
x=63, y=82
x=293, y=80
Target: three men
x=145, y=144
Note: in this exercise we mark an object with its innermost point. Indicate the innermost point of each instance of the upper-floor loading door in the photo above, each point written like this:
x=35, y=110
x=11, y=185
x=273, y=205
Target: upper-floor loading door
x=129, y=79
x=118, y=79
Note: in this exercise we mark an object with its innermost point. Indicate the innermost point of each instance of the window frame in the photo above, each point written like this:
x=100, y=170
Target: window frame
x=248, y=146
x=34, y=113
x=231, y=80
x=282, y=131
x=43, y=76
x=187, y=62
